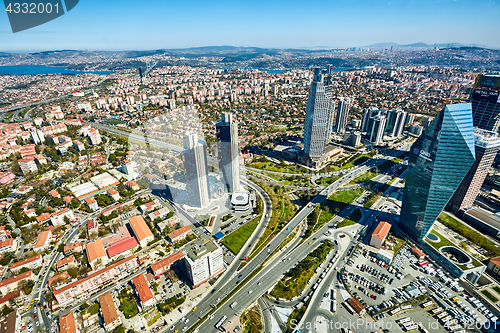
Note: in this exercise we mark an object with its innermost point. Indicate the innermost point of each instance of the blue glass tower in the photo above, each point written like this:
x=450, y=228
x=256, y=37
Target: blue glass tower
x=438, y=161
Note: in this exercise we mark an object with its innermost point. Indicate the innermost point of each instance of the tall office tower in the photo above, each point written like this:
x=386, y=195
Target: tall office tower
x=229, y=153
x=342, y=114
x=485, y=101
x=438, y=161
x=196, y=170
x=319, y=114
x=366, y=124
x=396, y=120
x=426, y=121
x=378, y=127
x=487, y=145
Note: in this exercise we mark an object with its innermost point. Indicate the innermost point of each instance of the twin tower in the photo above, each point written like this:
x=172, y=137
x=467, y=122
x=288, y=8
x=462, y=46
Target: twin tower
x=196, y=162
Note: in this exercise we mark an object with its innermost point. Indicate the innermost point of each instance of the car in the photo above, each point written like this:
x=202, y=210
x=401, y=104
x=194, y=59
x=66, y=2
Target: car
x=250, y=291
x=259, y=283
x=37, y=324
x=34, y=316
x=240, y=276
x=194, y=309
x=211, y=317
x=173, y=327
x=187, y=321
x=33, y=301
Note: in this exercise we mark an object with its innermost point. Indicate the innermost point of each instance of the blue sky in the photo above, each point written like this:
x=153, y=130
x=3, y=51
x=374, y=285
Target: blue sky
x=154, y=24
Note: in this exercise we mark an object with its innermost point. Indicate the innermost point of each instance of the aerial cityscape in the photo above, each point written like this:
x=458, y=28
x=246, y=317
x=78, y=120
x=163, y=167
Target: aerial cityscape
x=150, y=182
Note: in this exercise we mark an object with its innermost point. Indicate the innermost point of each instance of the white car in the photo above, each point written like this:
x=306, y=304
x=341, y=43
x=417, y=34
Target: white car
x=250, y=291
x=187, y=321
x=37, y=324
x=211, y=317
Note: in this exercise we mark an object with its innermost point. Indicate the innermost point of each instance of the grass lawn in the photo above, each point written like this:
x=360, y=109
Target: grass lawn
x=251, y=320
x=357, y=161
x=497, y=289
x=489, y=296
x=469, y=233
x=325, y=181
x=364, y=177
x=270, y=166
x=235, y=240
x=336, y=203
x=372, y=199
x=296, y=279
x=127, y=303
x=152, y=317
x=445, y=242
x=114, y=121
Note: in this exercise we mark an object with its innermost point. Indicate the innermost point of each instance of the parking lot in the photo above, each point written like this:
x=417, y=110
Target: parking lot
x=393, y=292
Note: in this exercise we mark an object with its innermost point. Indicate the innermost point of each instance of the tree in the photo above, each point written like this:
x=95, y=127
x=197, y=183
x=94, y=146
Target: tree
x=49, y=297
x=60, y=247
x=66, y=220
x=73, y=272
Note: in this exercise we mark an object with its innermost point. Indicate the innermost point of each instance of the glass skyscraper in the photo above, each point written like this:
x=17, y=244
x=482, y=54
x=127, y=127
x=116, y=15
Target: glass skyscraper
x=196, y=170
x=229, y=152
x=319, y=114
x=485, y=101
x=438, y=161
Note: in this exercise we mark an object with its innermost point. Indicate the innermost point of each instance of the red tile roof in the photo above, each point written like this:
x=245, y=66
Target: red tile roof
x=174, y=234
x=25, y=261
x=167, y=261
x=15, y=278
x=121, y=246
x=381, y=230
x=142, y=287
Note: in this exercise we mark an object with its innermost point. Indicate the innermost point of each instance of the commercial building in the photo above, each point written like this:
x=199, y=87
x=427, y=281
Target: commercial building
x=96, y=255
x=485, y=101
x=342, y=114
x=163, y=266
x=482, y=220
x=385, y=256
x=179, y=234
x=82, y=190
x=487, y=145
x=144, y=293
x=494, y=267
x=104, y=181
x=43, y=241
x=30, y=263
x=353, y=139
x=92, y=282
x=204, y=261
x=196, y=170
x=319, y=115
x=228, y=151
x=240, y=201
x=109, y=314
x=141, y=230
x=438, y=161
x=380, y=234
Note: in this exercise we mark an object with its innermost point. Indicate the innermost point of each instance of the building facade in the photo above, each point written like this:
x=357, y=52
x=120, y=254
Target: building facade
x=203, y=262
x=486, y=103
x=342, y=114
x=438, y=161
x=319, y=114
x=196, y=170
x=377, y=129
x=487, y=145
x=229, y=152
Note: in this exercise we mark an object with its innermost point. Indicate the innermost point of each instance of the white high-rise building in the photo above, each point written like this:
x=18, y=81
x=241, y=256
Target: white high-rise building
x=342, y=114
x=196, y=170
x=229, y=152
x=203, y=262
x=94, y=136
x=377, y=130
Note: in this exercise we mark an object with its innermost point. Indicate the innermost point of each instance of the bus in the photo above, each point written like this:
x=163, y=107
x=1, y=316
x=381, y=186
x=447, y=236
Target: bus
x=349, y=308
x=220, y=322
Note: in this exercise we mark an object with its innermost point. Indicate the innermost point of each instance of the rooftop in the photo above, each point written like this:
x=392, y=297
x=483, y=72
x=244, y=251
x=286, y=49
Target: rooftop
x=381, y=230
x=108, y=308
x=140, y=228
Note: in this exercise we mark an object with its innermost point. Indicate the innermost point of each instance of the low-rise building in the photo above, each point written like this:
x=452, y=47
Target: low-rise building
x=380, y=234
x=108, y=311
x=93, y=282
x=65, y=263
x=141, y=230
x=179, y=234
x=96, y=255
x=58, y=218
x=67, y=323
x=27, y=165
x=30, y=263
x=91, y=203
x=144, y=293
x=122, y=247
x=43, y=241
x=6, y=245
x=113, y=194
x=6, y=177
x=73, y=247
x=11, y=284
x=132, y=185
x=163, y=266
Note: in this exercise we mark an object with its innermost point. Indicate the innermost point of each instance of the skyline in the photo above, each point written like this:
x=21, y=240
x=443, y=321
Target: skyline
x=106, y=26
